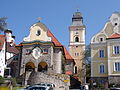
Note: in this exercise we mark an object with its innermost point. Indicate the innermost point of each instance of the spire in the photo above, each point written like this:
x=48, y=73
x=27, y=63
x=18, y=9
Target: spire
x=77, y=18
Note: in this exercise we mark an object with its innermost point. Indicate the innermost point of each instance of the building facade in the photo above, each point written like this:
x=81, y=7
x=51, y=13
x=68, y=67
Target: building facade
x=105, y=56
x=44, y=59
x=77, y=44
x=7, y=50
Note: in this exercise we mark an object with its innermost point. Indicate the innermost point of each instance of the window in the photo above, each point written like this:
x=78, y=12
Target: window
x=76, y=39
x=76, y=54
x=117, y=66
x=75, y=71
x=101, y=39
x=38, y=32
x=45, y=50
x=76, y=33
x=115, y=24
x=102, y=68
x=116, y=50
x=101, y=53
x=76, y=46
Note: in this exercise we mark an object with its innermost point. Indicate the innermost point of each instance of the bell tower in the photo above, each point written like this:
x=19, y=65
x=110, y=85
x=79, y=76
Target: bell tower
x=77, y=44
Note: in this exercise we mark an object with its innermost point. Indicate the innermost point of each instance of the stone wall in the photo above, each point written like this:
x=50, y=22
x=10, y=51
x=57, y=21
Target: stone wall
x=57, y=61
x=29, y=58
x=57, y=79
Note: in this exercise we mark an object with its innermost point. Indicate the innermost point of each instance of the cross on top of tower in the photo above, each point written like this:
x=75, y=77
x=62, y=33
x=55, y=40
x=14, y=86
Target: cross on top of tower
x=39, y=19
x=77, y=9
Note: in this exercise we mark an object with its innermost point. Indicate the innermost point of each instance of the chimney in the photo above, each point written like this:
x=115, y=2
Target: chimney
x=8, y=35
x=12, y=41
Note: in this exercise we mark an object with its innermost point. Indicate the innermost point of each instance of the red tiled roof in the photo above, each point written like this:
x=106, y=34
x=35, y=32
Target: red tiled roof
x=12, y=49
x=54, y=40
x=115, y=35
x=68, y=73
x=2, y=38
x=57, y=43
x=67, y=55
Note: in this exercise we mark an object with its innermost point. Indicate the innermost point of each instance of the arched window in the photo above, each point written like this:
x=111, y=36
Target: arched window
x=76, y=39
x=75, y=71
x=38, y=32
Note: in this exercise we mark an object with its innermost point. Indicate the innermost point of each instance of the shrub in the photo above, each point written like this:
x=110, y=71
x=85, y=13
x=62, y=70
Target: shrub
x=2, y=79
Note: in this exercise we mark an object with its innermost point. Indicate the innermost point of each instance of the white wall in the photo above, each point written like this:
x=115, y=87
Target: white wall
x=2, y=60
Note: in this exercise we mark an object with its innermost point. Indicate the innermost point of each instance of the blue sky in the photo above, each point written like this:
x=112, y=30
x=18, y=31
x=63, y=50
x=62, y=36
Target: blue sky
x=57, y=15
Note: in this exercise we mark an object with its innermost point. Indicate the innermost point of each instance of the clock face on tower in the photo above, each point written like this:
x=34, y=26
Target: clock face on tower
x=36, y=52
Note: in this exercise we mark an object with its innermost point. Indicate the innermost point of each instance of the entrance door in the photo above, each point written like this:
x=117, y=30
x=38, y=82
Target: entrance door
x=42, y=67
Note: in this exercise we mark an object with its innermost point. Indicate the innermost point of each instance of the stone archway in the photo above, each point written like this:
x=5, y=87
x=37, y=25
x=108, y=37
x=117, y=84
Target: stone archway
x=42, y=67
x=30, y=66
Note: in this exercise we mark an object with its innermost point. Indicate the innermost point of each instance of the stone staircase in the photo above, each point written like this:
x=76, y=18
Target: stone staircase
x=59, y=80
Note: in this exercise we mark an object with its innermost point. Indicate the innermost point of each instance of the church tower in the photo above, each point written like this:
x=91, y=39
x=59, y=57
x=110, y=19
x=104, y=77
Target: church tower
x=77, y=44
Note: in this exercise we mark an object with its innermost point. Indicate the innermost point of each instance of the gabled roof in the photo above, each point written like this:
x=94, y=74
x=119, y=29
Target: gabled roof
x=67, y=55
x=54, y=40
x=57, y=43
x=114, y=36
x=11, y=49
x=2, y=39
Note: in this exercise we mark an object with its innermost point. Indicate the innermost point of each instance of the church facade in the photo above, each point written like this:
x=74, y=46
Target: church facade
x=105, y=53
x=43, y=56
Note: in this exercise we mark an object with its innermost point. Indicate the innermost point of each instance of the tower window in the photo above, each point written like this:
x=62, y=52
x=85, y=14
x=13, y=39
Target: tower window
x=38, y=32
x=76, y=46
x=76, y=33
x=75, y=70
x=115, y=24
x=76, y=39
x=76, y=54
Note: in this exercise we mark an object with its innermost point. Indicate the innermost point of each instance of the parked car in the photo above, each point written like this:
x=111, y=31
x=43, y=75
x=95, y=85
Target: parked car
x=37, y=87
x=114, y=88
x=47, y=84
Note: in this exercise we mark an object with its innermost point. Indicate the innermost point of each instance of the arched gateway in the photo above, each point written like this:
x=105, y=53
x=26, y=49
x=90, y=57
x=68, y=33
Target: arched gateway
x=30, y=66
x=42, y=67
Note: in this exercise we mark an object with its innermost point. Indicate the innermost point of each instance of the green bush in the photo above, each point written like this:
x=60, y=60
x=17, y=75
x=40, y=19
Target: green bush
x=2, y=79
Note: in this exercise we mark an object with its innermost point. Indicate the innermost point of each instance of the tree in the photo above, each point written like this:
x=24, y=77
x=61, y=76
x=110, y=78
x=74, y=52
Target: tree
x=3, y=24
x=88, y=62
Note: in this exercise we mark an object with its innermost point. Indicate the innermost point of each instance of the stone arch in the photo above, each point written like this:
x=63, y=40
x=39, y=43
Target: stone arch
x=30, y=66
x=42, y=67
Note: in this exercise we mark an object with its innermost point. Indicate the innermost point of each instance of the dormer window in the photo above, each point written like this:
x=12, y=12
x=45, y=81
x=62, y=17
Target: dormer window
x=101, y=39
x=38, y=32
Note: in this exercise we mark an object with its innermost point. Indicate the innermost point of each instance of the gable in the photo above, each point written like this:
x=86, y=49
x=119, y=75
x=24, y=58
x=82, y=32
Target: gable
x=38, y=31
x=111, y=27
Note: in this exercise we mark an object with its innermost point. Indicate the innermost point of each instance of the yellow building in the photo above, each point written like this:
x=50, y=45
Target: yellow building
x=77, y=44
x=105, y=53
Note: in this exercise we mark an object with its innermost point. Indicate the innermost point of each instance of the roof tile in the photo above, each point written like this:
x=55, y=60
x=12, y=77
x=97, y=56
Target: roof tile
x=113, y=36
x=54, y=40
x=67, y=55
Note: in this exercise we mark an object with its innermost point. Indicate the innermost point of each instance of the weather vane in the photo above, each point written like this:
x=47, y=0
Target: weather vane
x=39, y=19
